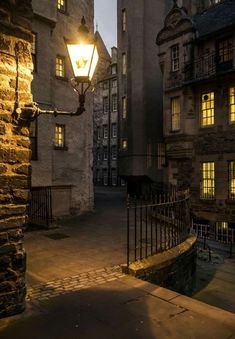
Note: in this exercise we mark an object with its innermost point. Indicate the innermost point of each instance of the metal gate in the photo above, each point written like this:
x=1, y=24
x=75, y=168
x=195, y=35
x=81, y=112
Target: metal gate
x=40, y=206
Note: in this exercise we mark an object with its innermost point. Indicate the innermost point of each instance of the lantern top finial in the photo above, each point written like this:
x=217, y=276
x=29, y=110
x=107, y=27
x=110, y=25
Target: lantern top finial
x=83, y=29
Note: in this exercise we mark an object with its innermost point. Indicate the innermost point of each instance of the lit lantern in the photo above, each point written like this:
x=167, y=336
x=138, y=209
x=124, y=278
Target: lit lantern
x=84, y=58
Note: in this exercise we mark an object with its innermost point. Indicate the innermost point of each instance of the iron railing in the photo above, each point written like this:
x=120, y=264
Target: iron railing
x=40, y=206
x=208, y=65
x=219, y=233
x=156, y=224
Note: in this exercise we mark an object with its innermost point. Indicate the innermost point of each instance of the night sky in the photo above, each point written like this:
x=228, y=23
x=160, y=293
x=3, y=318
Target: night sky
x=106, y=18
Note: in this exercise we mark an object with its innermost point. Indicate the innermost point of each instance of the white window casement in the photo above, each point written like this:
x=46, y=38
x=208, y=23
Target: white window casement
x=124, y=20
x=105, y=153
x=231, y=171
x=207, y=109
x=207, y=180
x=105, y=104
x=60, y=66
x=175, y=114
x=124, y=107
x=175, y=61
x=105, y=131
x=114, y=152
x=59, y=136
x=124, y=64
x=114, y=102
x=232, y=105
x=114, y=130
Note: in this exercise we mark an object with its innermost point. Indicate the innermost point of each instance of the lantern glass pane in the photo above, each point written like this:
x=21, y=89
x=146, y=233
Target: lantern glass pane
x=83, y=60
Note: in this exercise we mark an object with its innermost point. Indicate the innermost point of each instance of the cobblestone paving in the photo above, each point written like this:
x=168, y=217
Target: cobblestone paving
x=55, y=288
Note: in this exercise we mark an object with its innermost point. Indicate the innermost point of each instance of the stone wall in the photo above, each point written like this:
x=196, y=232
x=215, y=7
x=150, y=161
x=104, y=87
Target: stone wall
x=15, y=79
x=174, y=269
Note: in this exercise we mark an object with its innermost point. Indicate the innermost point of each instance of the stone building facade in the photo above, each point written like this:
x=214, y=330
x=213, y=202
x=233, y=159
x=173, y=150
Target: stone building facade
x=141, y=148
x=105, y=166
x=62, y=145
x=197, y=59
x=15, y=92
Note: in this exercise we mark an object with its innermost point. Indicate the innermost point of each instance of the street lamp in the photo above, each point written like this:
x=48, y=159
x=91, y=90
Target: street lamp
x=84, y=57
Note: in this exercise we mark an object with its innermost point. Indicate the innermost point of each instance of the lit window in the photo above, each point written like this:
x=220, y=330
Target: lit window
x=124, y=144
x=232, y=104
x=207, y=180
x=124, y=20
x=124, y=64
x=105, y=104
x=105, y=153
x=61, y=5
x=124, y=108
x=60, y=136
x=105, y=131
x=114, y=130
x=207, y=109
x=114, y=83
x=232, y=180
x=175, y=61
x=60, y=67
x=175, y=114
x=114, y=152
x=34, y=51
x=225, y=50
x=114, y=102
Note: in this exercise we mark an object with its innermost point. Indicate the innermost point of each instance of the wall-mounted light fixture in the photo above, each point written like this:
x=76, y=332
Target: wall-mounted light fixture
x=84, y=57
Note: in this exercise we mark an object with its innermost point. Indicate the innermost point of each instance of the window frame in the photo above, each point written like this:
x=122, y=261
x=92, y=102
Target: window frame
x=207, y=180
x=114, y=152
x=105, y=104
x=62, y=8
x=232, y=105
x=206, y=109
x=124, y=107
x=175, y=115
x=105, y=131
x=225, y=53
x=34, y=49
x=57, y=146
x=114, y=130
x=124, y=63
x=59, y=76
x=124, y=20
x=231, y=180
x=105, y=153
x=114, y=102
x=175, y=59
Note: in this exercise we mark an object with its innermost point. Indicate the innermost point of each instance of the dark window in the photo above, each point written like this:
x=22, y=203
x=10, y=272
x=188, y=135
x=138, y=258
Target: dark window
x=105, y=153
x=114, y=152
x=114, y=102
x=105, y=176
x=114, y=130
x=105, y=104
x=114, y=177
x=225, y=50
x=34, y=139
x=114, y=83
x=175, y=61
x=105, y=131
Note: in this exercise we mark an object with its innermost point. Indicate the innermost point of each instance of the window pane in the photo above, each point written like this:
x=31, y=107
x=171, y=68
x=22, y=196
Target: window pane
x=232, y=104
x=61, y=5
x=208, y=180
x=124, y=108
x=124, y=63
x=232, y=180
x=207, y=109
x=114, y=102
x=175, y=58
x=123, y=20
x=60, y=66
x=175, y=114
x=60, y=136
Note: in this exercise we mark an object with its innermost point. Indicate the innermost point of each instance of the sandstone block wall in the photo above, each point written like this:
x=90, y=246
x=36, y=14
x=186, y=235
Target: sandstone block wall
x=15, y=91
